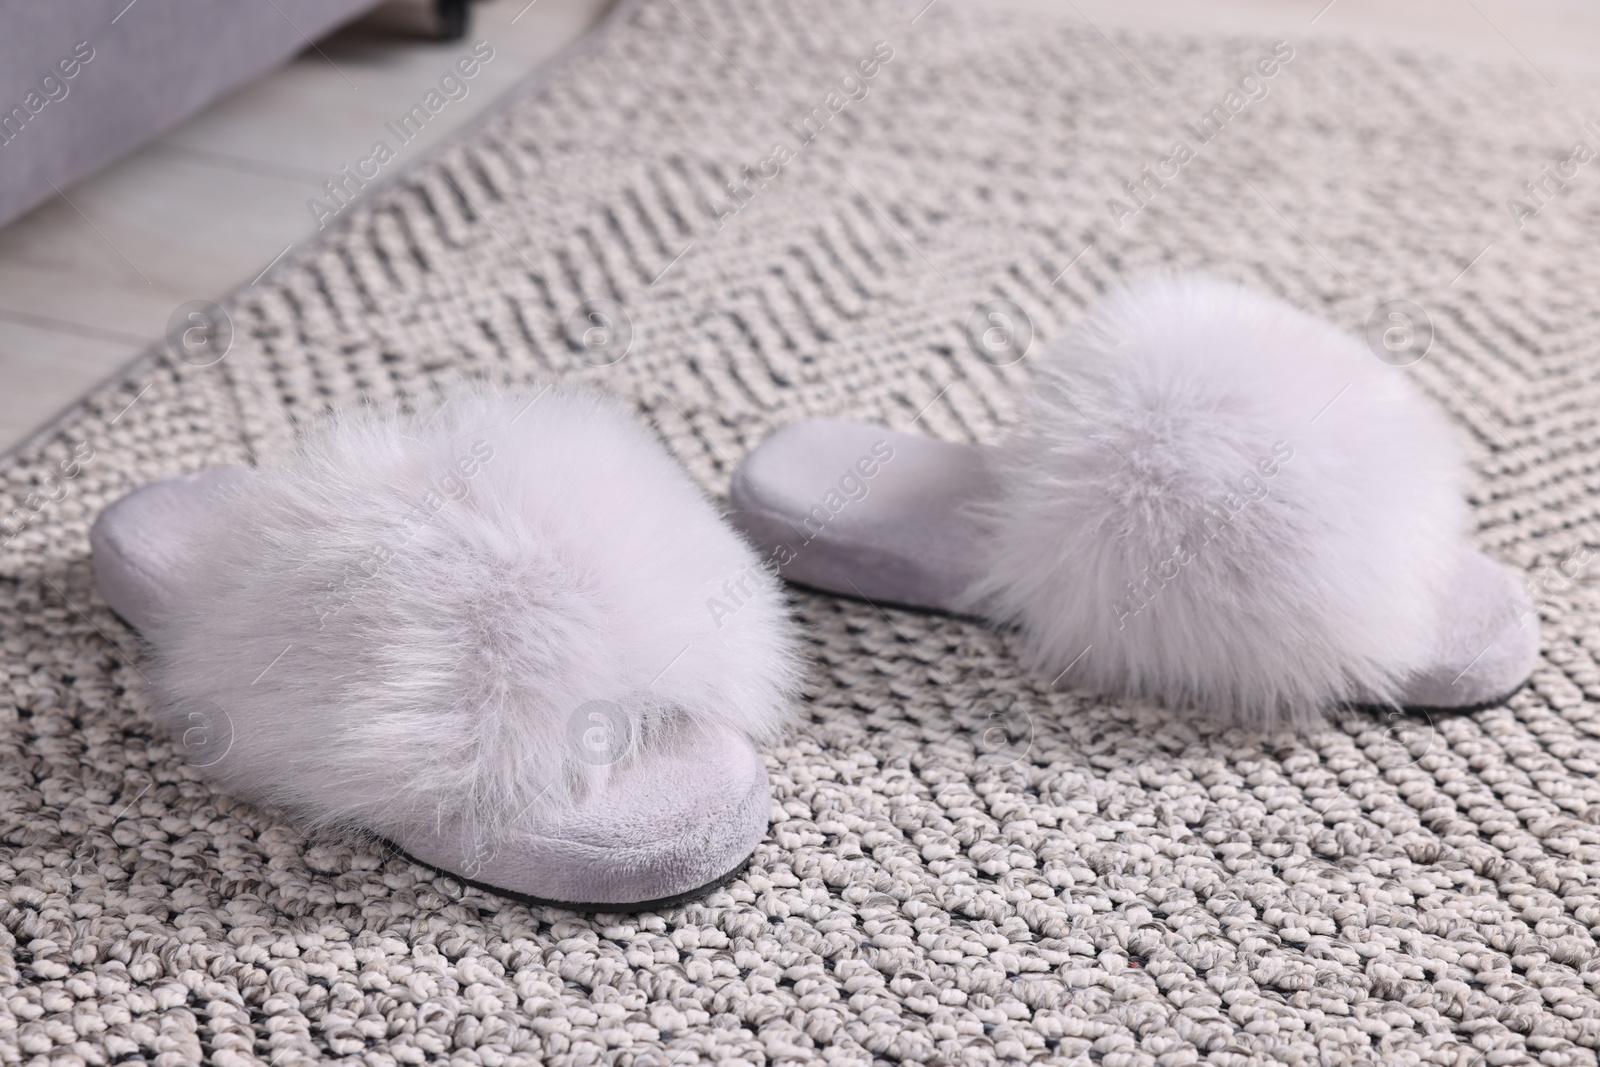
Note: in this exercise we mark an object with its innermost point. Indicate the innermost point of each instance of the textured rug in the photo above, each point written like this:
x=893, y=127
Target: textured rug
x=738, y=215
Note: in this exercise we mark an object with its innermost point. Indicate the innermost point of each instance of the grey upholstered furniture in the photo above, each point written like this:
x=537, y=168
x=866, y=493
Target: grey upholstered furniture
x=84, y=81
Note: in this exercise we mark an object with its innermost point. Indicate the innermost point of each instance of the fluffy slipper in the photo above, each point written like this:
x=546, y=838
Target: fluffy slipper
x=1213, y=499
x=482, y=634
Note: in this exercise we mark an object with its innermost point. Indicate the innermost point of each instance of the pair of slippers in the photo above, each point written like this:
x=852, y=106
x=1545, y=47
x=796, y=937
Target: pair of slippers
x=512, y=638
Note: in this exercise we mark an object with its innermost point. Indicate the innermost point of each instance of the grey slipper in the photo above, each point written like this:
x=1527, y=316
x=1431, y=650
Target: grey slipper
x=1212, y=499
x=482, y=635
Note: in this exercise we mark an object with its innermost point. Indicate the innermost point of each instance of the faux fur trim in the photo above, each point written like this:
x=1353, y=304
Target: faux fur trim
x=467, y=613
x=1228, y=503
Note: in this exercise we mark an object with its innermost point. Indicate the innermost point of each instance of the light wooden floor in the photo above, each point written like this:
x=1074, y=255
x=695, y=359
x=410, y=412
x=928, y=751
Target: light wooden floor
x=88, y=280
x=87, y=284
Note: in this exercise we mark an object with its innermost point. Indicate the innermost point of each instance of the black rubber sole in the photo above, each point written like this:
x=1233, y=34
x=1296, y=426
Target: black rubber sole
x=571, y=905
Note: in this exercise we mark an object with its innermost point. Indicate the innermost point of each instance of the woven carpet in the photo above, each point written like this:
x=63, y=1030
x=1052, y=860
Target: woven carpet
x=966, y=864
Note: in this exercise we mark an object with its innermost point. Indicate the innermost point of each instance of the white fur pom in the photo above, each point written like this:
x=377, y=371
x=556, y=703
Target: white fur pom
x=412, y=620
x=1227, y=502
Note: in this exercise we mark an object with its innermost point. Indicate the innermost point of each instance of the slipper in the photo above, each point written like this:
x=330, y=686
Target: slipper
x=482, y=634
x=1213, y=499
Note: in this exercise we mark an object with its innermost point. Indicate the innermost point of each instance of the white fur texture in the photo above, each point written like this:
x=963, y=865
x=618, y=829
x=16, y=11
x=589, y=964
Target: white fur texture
x=1169, y=412
x=401, y=624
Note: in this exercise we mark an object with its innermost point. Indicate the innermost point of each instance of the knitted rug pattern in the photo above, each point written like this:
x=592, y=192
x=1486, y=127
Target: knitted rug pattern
x=737, y=215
